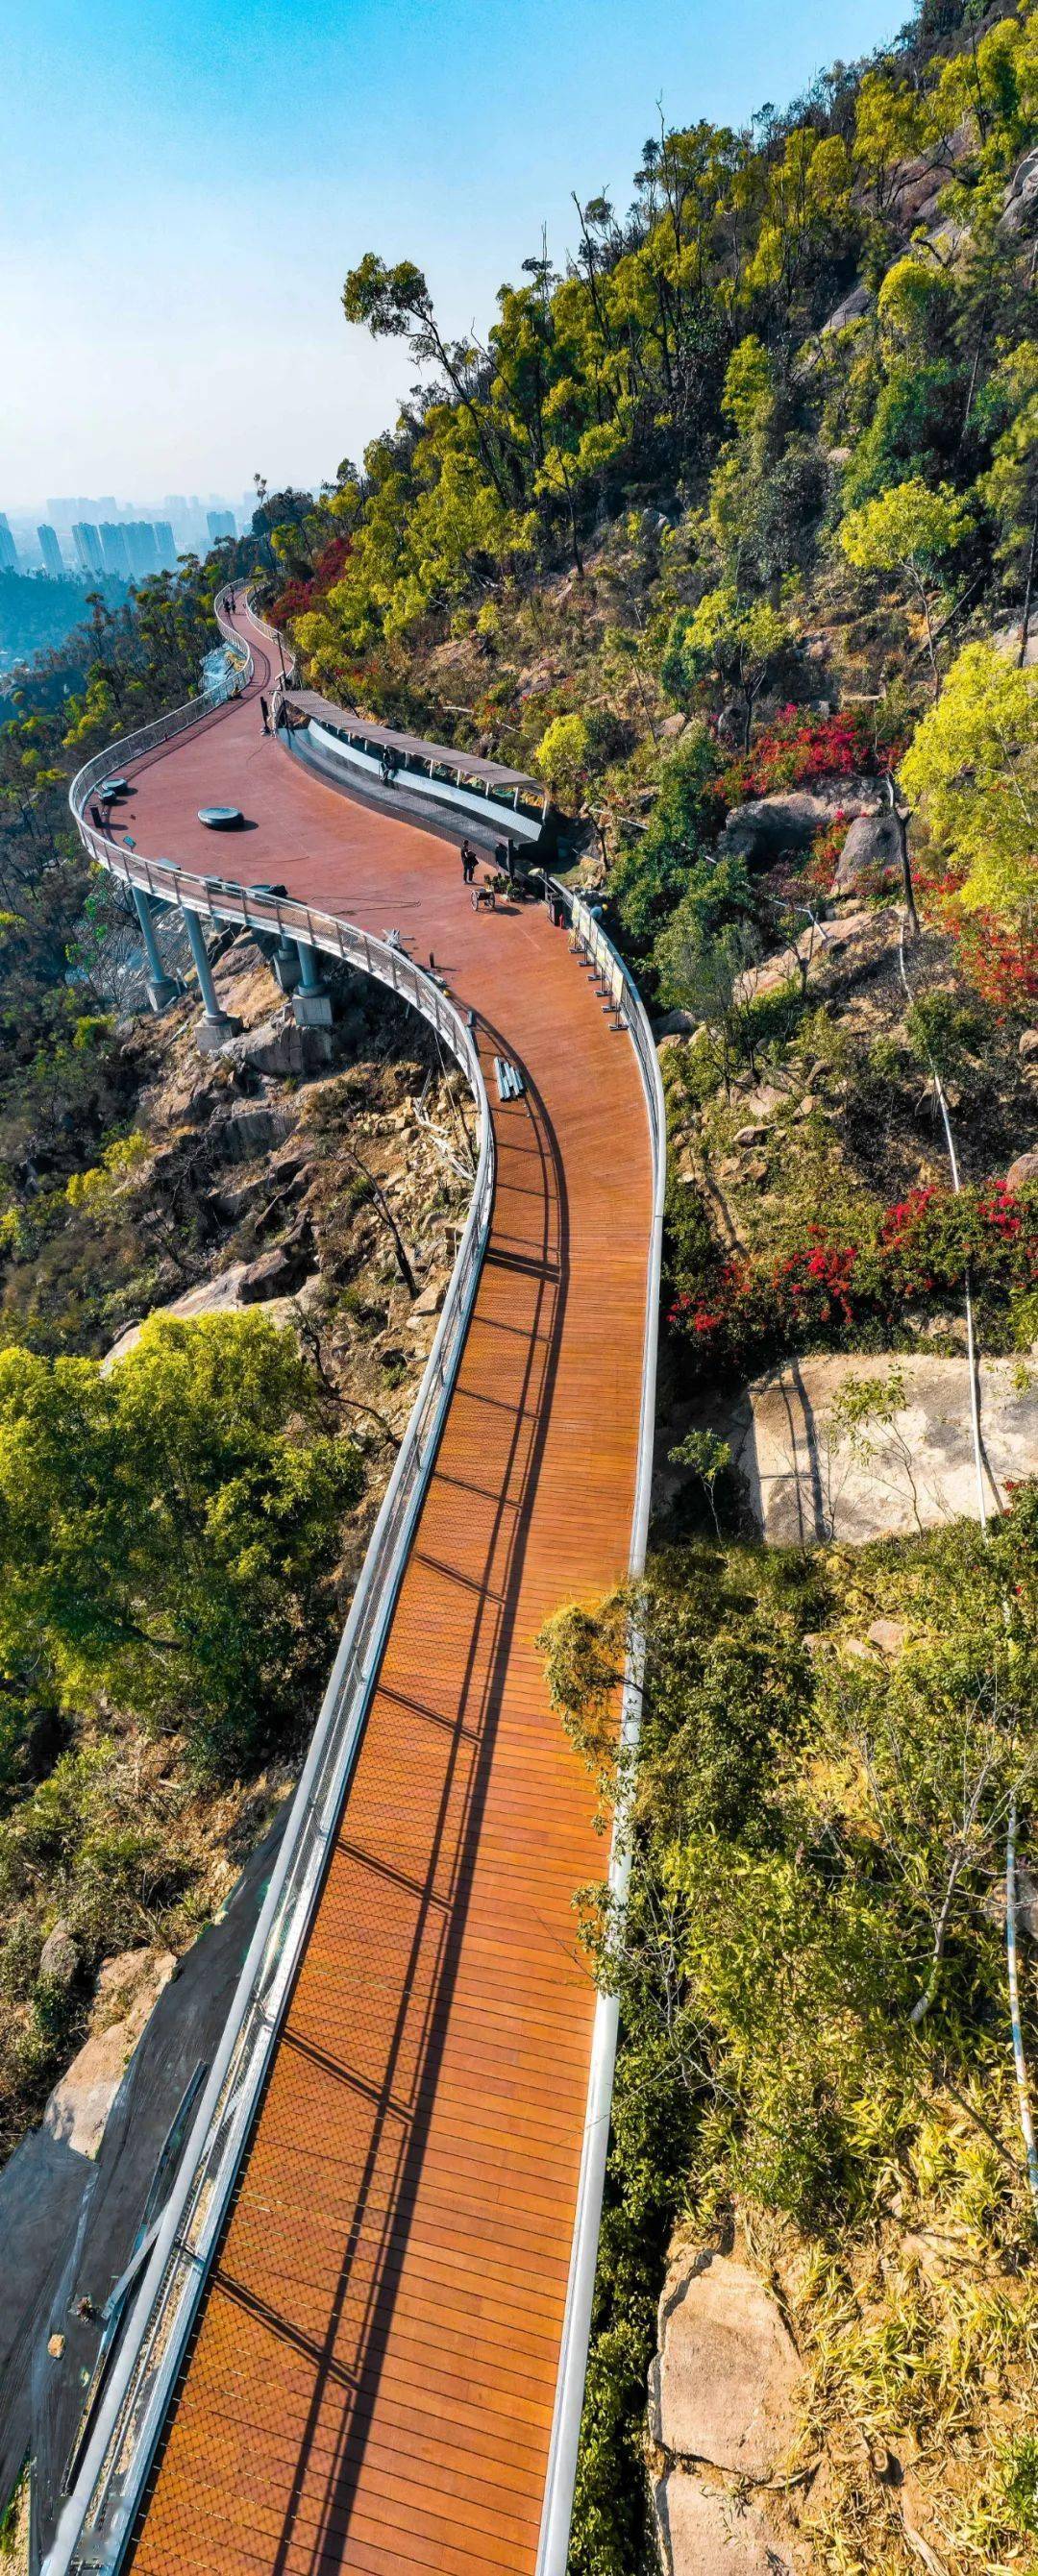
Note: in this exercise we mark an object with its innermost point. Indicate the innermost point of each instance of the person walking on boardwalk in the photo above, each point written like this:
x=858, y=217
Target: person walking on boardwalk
x=468, y=862
x=265, y=713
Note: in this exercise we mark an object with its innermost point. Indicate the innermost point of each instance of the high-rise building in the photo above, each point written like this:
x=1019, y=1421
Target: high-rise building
x=114, y=551
x=166, y=543
x=8, y=548
x=53, y=559
x=140, y=546
x=220, y=523
x=86, y=539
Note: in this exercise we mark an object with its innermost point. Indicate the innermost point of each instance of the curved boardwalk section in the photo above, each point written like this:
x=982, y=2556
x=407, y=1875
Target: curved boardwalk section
x=371, y=2380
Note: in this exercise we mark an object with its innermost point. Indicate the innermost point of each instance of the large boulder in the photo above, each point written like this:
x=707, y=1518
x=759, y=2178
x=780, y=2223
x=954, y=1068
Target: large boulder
x=721, y=2388
x=281, y=1272
x=251, y=1131
x=1023, y=1170
x=277, y=1046
x=767, y=827
x=1021, y=197
x=852, y=309
x=872, y=849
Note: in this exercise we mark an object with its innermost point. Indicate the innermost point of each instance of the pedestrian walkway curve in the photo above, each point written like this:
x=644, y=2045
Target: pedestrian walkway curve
x=373, y=2376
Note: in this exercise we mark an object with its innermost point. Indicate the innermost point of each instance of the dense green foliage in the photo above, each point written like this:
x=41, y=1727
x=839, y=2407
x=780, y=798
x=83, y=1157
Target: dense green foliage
x=759, y=494
x=815, y=1833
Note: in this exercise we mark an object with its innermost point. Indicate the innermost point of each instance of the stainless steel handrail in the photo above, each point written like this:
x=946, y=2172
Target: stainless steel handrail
x=553, y=2547
x=98, y=2519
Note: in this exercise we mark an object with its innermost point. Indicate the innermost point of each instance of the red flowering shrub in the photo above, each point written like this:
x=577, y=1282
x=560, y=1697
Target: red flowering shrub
x=299, y=597
x=830, y=1290
x=799, y=749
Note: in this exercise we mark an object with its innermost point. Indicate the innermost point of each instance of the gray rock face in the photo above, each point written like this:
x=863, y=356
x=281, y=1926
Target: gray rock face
x=768, y=825
x=1021, y=202
x=279, y=1046
x=675, y=1024
x=807, y=1481
x=721, y=2387
x=59, y=1957
x=711, y=2531
x=1024, y=1169
x=872, y=844
x=853, y=308
x=251, y=1131
x=278, y=1273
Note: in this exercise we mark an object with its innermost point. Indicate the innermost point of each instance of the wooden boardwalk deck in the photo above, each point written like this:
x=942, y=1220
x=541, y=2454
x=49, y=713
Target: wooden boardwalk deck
x=371, y=2382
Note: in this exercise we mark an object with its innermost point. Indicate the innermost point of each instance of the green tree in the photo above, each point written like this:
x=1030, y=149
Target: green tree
x=973, y=767
x=738, y=642
x=167, y=1530
x=914, y=533
x=1010, y=486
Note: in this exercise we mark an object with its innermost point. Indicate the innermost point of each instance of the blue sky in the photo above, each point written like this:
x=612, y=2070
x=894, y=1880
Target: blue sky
x=184, y=183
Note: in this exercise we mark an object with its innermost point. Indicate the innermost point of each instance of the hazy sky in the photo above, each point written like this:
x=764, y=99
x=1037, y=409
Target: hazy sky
x=184, y=183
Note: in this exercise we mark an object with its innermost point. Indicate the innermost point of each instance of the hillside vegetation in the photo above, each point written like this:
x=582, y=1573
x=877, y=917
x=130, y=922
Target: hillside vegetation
x=729, y=530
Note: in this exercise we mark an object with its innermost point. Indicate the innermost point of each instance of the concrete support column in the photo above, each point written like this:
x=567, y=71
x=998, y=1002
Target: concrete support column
x=217, y=1025
x=312, y=1004
x=162, y=988
x=285, y=960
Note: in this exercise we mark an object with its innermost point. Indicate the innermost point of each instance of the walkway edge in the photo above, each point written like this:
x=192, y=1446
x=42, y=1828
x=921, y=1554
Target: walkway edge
x=553, y=2548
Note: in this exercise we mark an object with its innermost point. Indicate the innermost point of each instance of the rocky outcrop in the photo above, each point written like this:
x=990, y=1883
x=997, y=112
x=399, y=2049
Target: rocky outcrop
x=830, y=953
x=249, y=1131
x=281, y=1272
x=807, y=1482
x=707, y=2529
x=871, y=850
x=1021, y=200
x=721, y=2386
x=723, y=2393
x=1023, y=1170
x=852, y=309
x=768, y=826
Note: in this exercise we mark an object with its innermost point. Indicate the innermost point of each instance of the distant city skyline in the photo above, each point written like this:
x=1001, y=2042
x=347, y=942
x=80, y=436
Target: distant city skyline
x=153, y=339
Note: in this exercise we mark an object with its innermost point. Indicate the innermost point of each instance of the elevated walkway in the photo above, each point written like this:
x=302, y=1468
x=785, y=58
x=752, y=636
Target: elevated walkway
x=386, y=2360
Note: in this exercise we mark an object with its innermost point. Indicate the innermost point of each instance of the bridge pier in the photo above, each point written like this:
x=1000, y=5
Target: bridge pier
x=312, y=1004
x=217, y=1025
x=286, y=965
x=162, y=988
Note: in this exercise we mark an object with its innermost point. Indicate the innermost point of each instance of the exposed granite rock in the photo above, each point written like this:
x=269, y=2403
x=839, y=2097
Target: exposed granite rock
x=767, y=826
x=721, y=2386
x=712, y=2530
x=59, y=1957
x=806, y=1484
x=1024, y=1169
x=872, y=844
x=852, y=309
x=281, y=1272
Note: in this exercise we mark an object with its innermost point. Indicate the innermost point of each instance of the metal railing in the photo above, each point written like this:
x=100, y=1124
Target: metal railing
x=98, y=2519
x=618, y=985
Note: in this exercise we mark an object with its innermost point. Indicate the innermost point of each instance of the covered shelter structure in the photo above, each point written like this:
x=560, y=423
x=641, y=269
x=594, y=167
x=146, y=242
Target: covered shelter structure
x=513, y=803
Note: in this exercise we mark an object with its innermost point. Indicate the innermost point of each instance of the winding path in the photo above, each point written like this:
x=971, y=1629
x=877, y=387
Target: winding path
x=371, y=2381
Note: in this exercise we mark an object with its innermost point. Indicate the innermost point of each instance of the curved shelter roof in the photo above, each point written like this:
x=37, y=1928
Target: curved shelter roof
x=490, y=774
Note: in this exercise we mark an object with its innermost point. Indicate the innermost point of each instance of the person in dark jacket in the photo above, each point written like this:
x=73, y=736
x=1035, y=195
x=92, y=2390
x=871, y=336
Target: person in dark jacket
x=468, y=862
x=265, y=713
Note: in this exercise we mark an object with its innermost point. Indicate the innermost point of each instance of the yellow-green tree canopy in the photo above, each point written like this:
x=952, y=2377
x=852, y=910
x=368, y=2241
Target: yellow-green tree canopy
x=973, y=769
